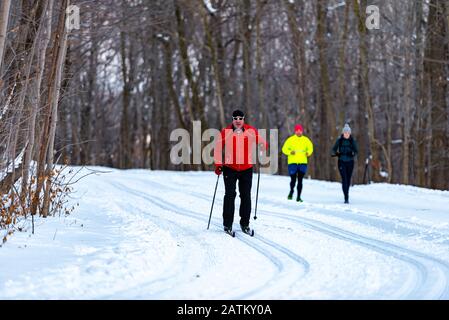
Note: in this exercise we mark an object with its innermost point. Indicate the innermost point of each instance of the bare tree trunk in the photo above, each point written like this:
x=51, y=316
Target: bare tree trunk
x=436, y=54
x=260, y=76
x=88, y=107
x=215, y=68
x=198, y=106
x=58, y=54
x=246, y=46
x=327, y=123
x=4, y=17
x=28, y=49
x=343, y=114
x=35, y=97
x=364, y=80
x=407, y=106
x=170, y=82
x=236, y=49
x=124, y=152
x=388, y=93
x=299, y=59
x=55, y=93
x=388, y=147
x=419, y=122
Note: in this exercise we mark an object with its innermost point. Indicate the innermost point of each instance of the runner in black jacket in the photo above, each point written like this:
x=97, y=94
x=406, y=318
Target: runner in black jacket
x=345, y=149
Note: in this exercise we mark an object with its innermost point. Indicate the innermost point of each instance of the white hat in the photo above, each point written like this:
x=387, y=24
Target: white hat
x=346, y=129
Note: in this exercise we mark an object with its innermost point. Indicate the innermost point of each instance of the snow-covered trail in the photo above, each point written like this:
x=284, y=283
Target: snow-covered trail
x=141, y=234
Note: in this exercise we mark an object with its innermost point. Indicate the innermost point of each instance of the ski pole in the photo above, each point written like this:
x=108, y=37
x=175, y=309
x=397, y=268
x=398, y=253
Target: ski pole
x=258, y=179
x=210, y=216
x=257, y=193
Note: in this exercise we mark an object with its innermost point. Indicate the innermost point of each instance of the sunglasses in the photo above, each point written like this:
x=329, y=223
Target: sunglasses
x=238, y=118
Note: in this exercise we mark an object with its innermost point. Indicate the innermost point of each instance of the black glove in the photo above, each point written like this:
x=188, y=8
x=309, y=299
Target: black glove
x=336, y=154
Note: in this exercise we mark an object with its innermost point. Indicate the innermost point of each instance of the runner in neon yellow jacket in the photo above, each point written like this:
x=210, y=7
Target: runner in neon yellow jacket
x=297, y=148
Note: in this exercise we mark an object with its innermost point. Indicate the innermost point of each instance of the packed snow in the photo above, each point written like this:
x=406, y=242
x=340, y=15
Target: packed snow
x=142, y=234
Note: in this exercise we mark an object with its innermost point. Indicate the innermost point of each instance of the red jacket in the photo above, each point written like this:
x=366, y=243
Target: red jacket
x=237, y=147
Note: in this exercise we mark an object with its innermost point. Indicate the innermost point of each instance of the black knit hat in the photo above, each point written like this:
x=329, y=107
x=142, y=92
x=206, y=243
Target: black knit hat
x=238, y=113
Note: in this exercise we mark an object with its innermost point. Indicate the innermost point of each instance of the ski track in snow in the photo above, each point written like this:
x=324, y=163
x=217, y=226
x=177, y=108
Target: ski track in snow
x=279, y=280
x=151, y=242
x=423, y=284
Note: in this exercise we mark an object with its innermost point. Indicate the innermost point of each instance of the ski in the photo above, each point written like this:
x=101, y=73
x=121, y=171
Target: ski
x=231, y=233
x=250, y=232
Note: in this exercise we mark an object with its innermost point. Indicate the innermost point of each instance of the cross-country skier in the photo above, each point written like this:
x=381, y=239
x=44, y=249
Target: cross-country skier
x=237, y=141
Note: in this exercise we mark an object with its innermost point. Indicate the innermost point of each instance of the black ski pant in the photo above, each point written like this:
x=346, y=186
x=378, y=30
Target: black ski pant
x=300, y=176
x=346, y=168
x=245, y=179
